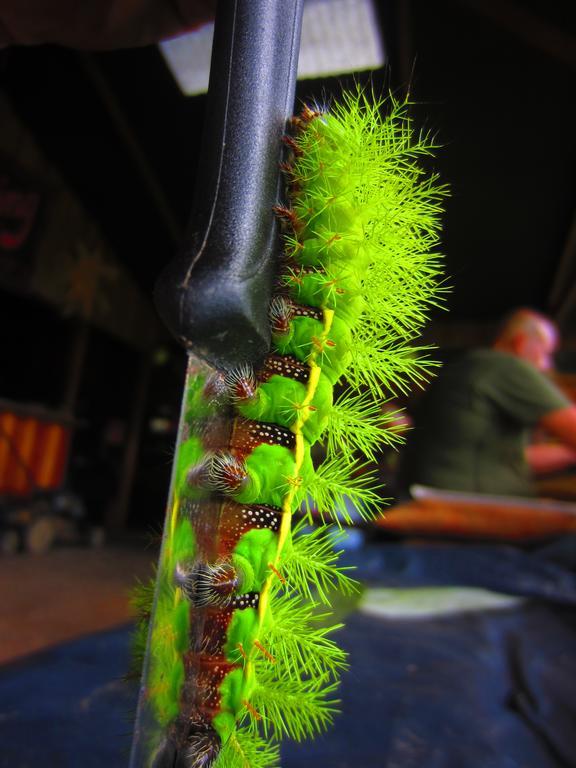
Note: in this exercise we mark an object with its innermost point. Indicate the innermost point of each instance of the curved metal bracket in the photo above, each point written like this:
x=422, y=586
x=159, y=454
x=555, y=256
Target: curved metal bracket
x=215, y=295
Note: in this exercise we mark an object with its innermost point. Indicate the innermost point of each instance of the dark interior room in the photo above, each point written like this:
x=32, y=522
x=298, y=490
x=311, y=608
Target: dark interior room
x=461, y=634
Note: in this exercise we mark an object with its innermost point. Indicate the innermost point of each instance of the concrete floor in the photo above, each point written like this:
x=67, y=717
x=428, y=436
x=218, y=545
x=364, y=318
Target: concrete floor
x=66, y=593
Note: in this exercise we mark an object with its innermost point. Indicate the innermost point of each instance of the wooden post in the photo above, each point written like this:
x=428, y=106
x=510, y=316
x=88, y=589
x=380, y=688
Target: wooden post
x=117, y=513
x=79, y=347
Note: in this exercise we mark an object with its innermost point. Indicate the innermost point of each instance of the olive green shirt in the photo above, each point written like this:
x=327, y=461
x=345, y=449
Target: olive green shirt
x=473, y=424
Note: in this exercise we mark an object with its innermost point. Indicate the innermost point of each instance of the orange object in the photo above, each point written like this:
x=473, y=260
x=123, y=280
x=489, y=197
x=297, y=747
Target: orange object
x=33, y=453
x=448, y=513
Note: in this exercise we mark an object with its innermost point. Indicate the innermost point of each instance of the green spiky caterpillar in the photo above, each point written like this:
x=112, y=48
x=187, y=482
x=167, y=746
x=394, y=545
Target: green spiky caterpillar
x=237, y=656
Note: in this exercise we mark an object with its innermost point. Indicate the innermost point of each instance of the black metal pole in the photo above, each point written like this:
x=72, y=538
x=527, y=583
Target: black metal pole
x=215, y=295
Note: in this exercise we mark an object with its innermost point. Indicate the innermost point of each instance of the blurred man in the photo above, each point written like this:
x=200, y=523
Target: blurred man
x=473, y=425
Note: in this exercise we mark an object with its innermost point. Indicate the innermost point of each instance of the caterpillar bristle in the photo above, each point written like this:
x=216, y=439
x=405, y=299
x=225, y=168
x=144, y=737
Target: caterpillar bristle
x=208, y=583
x=291, y=144
x=357, y=424
x=310, y=565
x=240, y=383
x=245, y=749
x=289, y=706
x=386, y=366
x=197, y=473
x=142, y=599
x=343, y=491
x=288, y=216
x=281, y=313
x=225, y=473
x=203, y=746
x=297, y=640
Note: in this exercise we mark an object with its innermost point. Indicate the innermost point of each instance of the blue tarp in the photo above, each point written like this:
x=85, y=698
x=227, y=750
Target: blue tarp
x=491, y=689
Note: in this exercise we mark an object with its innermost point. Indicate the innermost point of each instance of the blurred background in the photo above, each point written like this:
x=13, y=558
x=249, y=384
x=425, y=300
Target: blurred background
x=98, y=152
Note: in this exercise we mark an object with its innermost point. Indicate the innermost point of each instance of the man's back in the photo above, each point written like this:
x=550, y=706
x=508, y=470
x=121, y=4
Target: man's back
x=473, y=423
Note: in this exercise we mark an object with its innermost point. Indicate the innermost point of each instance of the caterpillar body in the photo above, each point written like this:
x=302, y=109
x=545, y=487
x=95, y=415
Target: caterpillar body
x=237, y=656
